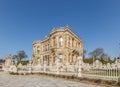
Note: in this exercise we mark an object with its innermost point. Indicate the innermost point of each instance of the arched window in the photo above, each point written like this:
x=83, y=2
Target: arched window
x=54, y=41
x=38, y=61
x=60, y=57
x=34, y=49
x=72, y=42
x=60, y=42
x=38, y=49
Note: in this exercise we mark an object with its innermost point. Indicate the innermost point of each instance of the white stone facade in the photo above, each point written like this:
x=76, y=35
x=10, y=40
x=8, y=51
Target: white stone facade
x=62, y=45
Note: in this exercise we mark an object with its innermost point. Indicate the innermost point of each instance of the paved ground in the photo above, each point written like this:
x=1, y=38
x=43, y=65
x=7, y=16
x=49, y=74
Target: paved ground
x=7, y=80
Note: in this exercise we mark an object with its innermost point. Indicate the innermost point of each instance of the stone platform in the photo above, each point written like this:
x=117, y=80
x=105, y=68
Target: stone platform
x=7, y=80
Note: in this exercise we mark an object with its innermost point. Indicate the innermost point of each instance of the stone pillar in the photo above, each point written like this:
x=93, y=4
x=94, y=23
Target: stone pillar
x=51, y=57
x=41, y=59
x=67, y=41
x=52, y=42
x=15, y=69
x=79, y=66
x=70, y=58
x=67, y=60
x=30, y=66
x=39, y=62
x=74, y=59
x=119, y=76
x=57, y=44
x=58, y=65
x=74, y=43
x=44, y=66
x=50, y=60
x=70, y=42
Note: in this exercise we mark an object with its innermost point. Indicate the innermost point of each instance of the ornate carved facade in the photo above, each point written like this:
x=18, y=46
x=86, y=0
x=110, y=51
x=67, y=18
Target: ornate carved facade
x=8, y=63
x=62, y=44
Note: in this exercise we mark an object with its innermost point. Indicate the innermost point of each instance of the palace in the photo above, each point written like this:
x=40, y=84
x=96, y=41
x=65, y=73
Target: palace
x=61, y=45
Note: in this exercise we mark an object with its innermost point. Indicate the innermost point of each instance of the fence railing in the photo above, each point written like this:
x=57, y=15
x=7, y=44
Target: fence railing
x=108, y=72
x=69, y=70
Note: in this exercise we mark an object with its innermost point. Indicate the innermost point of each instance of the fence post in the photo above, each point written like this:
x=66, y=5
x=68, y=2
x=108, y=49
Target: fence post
x=118, y=76
x=79, y=66
x=30, y=66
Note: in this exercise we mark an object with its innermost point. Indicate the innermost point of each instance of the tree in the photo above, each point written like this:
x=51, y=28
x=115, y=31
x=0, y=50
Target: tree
x=99, y=53
x=104, y=58
x=96, y=53
x=15, y=58
x=21, y=55
x=84, y=54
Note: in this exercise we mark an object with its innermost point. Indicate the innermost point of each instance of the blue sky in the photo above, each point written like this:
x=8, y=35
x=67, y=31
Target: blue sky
x=97, y=22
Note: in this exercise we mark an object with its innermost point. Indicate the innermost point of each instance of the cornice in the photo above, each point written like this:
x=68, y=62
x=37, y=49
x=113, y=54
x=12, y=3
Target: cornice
x=59, y=29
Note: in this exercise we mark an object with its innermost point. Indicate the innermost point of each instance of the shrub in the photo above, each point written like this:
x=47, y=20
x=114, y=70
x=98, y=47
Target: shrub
x=25, y=62
x=12, y=73
x=97, y=81
x=1, y=70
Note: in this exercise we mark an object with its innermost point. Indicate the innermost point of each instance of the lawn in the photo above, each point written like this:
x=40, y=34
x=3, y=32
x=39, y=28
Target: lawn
x=104, y=72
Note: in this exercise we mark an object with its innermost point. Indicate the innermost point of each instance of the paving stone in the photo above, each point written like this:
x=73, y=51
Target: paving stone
x=7, y=80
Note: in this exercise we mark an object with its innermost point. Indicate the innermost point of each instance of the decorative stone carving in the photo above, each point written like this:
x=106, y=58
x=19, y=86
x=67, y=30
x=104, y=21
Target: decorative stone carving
x=61, y=41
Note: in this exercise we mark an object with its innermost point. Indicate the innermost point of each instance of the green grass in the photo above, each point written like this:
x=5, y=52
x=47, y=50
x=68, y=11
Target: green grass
x=109, y=83
x=23, y=62
x=104, y=73
x=1, y=70
x=12, y=73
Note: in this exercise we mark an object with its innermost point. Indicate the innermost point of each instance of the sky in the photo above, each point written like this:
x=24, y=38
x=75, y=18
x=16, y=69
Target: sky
x=97, y=22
